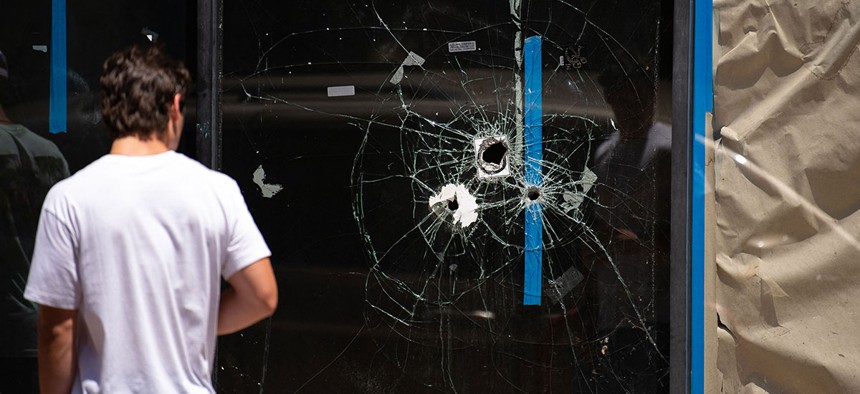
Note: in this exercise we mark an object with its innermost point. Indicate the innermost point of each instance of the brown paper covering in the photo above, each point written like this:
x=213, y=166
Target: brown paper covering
x=787, y=192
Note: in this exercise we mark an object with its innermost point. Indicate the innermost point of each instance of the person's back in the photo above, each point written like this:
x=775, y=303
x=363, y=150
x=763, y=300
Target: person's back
x=131, y=250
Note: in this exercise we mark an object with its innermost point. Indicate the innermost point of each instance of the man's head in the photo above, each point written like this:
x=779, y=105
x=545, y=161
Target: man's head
x=142, y=93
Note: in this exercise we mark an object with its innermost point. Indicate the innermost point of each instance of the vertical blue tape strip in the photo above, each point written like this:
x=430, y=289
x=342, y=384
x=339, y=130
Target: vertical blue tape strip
x=703, y=102
x=57, y=114
x=533, y=175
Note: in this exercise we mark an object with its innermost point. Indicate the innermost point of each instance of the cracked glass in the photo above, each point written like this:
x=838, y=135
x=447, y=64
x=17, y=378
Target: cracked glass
x=459, y=196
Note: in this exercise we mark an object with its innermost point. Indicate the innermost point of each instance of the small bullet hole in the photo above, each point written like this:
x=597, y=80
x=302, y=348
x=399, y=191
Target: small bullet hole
x=453, y=205
x=533, y=193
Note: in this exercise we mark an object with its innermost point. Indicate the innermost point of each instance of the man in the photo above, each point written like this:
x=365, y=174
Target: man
x=29, y=166
x=130, y=250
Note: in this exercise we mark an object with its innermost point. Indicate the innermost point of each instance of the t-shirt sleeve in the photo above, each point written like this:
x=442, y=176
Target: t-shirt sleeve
x=246, y=244
x=53, y=278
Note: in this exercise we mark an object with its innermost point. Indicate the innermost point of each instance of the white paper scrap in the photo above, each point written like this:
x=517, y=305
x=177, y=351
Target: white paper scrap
x=462, y=46
x=268, y=190
x=411, y=60
x=340, y=91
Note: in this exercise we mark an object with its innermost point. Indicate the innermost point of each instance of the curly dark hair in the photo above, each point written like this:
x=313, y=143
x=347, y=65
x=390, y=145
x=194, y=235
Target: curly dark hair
x=138, y=86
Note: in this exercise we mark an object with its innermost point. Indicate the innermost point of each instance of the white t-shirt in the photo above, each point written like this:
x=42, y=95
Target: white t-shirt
x=138, y=244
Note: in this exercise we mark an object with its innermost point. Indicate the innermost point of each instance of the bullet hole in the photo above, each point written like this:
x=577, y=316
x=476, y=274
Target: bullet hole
x=492, y=156
x=452, y=204
x=533, y=193
x=495, y=154
x=455, y=205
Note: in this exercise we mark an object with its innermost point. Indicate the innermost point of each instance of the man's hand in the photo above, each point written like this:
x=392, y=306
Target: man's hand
x=252, y=297
x=57, y=353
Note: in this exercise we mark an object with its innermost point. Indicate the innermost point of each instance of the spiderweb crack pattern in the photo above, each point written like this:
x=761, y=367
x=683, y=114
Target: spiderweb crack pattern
x=437, y=292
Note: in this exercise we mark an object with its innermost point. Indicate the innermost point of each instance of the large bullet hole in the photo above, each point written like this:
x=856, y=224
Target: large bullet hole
x=495, y=153
x=533, y=193
x=492, y=155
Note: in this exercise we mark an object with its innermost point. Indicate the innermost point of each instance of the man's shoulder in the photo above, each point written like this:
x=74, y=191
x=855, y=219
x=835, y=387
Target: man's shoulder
x=35, y=144
x=193, y=169
x=109, y=177
x=174, y=165
x=7, y=144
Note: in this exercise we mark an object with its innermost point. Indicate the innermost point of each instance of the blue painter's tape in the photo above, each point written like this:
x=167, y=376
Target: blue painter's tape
x=57, y=114
x=534, y=255
x=533, y=172
x=703, y=102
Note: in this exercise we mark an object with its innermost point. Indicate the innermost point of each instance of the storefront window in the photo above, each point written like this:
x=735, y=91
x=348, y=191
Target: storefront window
x=459, y=196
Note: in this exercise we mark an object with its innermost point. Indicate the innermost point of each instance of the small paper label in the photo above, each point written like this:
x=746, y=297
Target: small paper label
x=339, y=91
x=462, y=46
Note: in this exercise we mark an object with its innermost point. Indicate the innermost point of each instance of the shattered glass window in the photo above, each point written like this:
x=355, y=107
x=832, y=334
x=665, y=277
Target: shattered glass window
x=459, y=196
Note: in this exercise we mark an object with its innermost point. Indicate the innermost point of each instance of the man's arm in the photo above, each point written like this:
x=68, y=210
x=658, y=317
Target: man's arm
x=57, y=353
x=253, y=296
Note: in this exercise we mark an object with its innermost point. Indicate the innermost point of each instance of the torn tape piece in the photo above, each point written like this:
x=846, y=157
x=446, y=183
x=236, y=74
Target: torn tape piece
x=558, y=288
x=462, y=46
x=411, y=60
x=398, y=76
x=268, y=190
x=589, y=178
x=40, y=48
x=573, y=199
x=58, y=111
x=340, y=91
x=533, y=122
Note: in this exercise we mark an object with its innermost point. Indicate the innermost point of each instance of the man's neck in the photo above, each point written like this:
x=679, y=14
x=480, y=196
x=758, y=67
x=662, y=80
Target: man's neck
x=134, y=146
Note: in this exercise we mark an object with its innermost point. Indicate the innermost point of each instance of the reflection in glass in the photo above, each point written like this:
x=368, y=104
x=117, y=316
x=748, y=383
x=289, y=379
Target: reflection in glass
x=29, y=166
